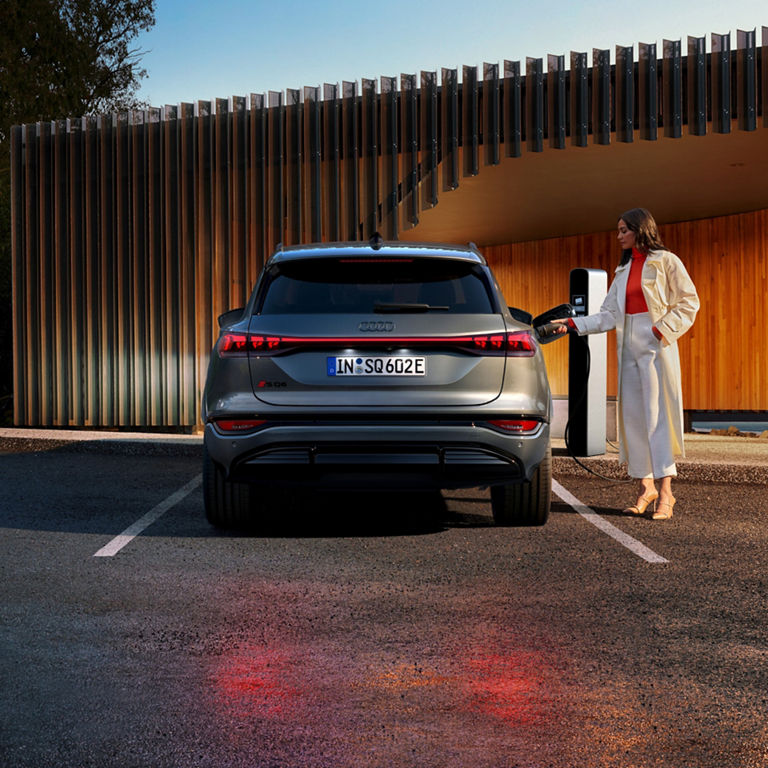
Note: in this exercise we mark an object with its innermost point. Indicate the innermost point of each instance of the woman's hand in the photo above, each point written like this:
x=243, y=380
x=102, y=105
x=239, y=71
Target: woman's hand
x=564, y=324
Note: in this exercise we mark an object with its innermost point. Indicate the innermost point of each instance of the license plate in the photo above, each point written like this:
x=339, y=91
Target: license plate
x=395, y=365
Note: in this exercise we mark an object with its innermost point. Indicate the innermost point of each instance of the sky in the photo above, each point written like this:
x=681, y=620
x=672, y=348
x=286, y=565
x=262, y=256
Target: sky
x=208, y=49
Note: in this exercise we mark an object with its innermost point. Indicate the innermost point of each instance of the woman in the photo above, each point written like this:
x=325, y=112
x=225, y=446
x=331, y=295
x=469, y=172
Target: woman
x=651, y=303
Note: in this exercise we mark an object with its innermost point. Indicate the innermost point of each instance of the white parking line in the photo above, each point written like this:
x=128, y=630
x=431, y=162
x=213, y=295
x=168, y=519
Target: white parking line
x=623, y=538
x=132, y=531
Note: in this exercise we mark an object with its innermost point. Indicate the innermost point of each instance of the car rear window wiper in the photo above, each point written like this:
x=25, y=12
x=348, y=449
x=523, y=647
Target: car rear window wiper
x=384, y=307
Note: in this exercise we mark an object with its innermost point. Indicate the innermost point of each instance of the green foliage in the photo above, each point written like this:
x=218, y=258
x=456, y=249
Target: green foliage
x=59, y=58
x=68, y=58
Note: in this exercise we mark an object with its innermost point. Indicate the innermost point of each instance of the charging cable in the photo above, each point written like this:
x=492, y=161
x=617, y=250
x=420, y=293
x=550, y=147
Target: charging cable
x=578, y=405
x=548, y=331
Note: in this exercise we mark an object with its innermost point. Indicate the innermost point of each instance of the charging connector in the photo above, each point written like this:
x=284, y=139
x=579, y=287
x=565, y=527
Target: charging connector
x=550, y=330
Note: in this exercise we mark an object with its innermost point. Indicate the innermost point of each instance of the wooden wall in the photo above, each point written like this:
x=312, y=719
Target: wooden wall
x=725, y=355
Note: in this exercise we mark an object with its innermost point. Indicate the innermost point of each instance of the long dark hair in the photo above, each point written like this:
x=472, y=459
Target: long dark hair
x=647, y=238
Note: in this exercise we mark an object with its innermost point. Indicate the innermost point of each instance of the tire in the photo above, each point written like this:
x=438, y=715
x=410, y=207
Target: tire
x=227, y=504
x=525, y=503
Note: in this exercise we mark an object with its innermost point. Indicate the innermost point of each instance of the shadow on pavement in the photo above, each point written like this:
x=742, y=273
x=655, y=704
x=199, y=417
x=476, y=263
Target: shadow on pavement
x=360, y=513
x=91, y=488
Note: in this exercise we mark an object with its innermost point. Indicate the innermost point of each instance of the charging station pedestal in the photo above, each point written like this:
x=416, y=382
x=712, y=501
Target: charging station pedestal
x=587, y=367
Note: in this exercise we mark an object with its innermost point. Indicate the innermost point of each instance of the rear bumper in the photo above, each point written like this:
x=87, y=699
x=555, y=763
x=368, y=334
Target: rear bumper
x=415, y=455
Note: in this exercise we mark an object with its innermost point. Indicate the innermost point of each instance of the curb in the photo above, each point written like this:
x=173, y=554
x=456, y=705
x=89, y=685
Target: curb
x=687, y=469
x=119, y=443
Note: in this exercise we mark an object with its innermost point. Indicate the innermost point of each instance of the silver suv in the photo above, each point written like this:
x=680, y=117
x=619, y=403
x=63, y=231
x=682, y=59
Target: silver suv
x=377, y=366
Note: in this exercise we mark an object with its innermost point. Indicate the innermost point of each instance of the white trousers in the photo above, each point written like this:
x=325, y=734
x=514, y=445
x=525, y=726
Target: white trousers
x=648, y=433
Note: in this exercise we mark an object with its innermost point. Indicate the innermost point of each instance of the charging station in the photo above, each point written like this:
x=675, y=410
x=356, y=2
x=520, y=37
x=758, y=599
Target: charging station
x=587, y=367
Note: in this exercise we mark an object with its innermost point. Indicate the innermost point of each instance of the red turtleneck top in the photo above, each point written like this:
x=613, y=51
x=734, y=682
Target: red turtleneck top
x=635, y=301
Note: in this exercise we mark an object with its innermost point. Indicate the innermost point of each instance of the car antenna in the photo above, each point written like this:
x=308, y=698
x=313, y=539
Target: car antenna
x=376, y=241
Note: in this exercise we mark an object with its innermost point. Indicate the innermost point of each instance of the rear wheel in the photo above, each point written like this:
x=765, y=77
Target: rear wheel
x=524, y=503
x=227, y=504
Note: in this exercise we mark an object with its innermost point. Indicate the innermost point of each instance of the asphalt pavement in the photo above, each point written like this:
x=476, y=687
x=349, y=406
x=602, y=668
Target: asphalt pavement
x=375, y=631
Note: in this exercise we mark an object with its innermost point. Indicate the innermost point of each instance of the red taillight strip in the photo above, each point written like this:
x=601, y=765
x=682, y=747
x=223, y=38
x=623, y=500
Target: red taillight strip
x=517, y=344
x=516, y=426
x=235, y=426
x=232, y=344
x=376, y=341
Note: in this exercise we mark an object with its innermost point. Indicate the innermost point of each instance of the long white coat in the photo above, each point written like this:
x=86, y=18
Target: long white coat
x=672, y=304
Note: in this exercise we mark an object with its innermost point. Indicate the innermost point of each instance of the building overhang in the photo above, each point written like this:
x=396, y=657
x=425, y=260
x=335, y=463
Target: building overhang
x=576, y=190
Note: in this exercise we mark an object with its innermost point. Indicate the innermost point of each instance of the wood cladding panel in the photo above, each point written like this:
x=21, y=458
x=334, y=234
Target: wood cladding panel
x=724, y=357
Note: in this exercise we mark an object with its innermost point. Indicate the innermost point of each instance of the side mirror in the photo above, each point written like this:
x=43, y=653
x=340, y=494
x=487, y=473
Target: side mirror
x=539, y=323
x=228, y=318
x=521, y=315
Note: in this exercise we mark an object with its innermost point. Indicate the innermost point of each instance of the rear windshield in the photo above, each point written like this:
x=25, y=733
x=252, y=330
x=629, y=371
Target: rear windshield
x=349, y=285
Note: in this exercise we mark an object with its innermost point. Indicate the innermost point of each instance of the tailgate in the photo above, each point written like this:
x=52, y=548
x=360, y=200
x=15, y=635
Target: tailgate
x=408, y=361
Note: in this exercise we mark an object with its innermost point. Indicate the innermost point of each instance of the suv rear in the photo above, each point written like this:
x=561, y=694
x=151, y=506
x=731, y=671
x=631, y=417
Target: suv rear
x=381, y=365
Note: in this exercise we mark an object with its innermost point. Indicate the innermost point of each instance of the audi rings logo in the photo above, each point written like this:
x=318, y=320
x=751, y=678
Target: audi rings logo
x=377, y=326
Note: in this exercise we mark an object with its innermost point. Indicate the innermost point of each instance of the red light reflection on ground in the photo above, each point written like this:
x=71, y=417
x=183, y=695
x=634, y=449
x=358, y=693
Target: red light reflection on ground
x=257, y=682
x=405, y=678
x=508, y=686
x=252, y=682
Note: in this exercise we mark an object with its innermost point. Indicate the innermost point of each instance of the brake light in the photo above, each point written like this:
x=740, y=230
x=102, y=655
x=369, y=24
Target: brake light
x=233, y=344
x=516, y=426
x=234, y=426
x=239, y=344
x=264, y=343
x=517, y=344
x=490, y=343
x=520, y=344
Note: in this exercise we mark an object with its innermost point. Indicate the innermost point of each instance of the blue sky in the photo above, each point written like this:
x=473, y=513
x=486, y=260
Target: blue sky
x=205, y=50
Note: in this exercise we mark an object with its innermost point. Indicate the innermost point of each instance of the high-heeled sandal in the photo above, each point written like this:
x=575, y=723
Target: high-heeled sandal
x=641, y=506
x=666, y=512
